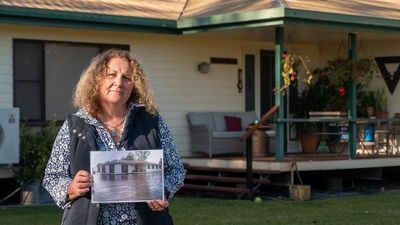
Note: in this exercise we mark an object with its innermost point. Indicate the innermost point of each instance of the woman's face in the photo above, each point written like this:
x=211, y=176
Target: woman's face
x=117, y=84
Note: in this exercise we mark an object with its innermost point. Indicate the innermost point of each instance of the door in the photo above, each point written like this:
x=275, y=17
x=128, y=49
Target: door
x=249, y=72
x=267, y=80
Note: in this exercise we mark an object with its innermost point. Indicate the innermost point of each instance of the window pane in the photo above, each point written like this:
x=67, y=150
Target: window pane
x=28, y=60
x=28, y=99
x=64, y=65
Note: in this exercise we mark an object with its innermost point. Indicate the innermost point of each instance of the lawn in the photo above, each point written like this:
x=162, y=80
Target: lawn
x=376, y=209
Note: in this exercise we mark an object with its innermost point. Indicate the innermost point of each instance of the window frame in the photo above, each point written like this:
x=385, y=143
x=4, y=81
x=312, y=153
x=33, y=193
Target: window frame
x=15, y=41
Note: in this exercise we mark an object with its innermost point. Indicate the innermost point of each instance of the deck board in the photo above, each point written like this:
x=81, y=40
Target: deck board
x=305, y=162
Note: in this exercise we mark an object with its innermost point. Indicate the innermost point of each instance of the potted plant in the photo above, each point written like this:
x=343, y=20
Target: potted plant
x=309, y=138
x=366, y=103
x=309, y=100
x=380, y=103
x=36, y=146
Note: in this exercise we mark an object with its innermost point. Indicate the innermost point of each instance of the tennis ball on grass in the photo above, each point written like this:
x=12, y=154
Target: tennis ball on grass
x=257, y=200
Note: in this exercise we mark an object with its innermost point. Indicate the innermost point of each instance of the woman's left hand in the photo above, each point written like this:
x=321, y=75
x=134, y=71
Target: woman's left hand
x=158, y=205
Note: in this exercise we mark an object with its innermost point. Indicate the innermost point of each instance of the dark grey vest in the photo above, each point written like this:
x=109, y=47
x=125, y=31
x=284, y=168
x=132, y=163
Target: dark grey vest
x=141, y=132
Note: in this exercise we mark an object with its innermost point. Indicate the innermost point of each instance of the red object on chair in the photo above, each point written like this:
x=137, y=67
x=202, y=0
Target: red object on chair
x=233, y=123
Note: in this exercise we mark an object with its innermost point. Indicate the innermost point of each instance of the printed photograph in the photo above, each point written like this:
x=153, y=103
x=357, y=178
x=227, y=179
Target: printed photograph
x=127, y=176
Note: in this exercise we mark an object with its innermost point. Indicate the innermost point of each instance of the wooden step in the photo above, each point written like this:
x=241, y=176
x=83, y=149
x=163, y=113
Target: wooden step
x=216, y=188
x=225, y=179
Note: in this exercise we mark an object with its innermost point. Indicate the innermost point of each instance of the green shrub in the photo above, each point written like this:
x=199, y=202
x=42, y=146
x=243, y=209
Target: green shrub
x=36, y=146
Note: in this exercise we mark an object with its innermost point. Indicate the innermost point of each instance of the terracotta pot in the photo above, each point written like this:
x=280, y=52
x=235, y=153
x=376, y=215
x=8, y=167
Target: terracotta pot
x=309, y=142
x=381, y=114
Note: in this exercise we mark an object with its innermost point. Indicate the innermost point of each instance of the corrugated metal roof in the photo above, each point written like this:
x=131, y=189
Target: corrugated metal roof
x=388, y=9
x=206, y=8
x=172, y=9
x=160, y=9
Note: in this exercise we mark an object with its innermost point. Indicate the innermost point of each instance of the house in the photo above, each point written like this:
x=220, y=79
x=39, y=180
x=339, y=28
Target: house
x=45, y=45
x=125, y=166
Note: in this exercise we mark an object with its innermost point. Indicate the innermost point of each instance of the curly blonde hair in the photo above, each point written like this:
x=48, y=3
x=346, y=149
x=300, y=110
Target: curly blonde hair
x=87, y=94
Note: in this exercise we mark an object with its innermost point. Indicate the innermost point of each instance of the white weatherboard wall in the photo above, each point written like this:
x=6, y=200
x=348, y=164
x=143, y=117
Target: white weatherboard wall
x=179, y=87
x=6, y=76
x=170, y=62
x=6, y=90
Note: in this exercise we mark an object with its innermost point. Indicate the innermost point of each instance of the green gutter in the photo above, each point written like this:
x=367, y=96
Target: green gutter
x=347, y=27
x=259, y=18
x=54, y=18
x=233, y=18
x=354, y=20
x=233, y=26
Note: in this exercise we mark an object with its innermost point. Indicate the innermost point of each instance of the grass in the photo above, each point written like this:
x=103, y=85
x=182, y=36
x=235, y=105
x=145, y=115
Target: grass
x=376, y=209
x=34, y=215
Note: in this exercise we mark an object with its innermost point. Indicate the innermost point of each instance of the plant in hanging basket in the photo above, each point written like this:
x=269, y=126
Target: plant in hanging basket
x=340, y=71
x=322, y=94
x=290, y=63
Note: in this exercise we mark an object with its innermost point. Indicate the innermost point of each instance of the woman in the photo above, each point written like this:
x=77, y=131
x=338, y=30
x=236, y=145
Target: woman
x=116, y=113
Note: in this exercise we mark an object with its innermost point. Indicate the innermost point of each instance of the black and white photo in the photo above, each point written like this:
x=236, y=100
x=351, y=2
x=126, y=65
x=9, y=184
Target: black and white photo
x=127, y=176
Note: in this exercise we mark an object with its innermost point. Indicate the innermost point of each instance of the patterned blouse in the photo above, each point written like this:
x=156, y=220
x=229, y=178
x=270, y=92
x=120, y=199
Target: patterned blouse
x=56, y=179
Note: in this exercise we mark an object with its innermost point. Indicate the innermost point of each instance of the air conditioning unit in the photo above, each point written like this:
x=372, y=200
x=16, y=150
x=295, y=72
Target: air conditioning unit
x=9, y=136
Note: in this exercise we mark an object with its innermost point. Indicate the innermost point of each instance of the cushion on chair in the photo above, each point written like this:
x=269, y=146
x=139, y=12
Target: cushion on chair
x=233, y=123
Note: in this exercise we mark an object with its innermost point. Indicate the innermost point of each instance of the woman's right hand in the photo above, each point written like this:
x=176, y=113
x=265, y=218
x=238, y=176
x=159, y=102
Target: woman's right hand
x=80, y=185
